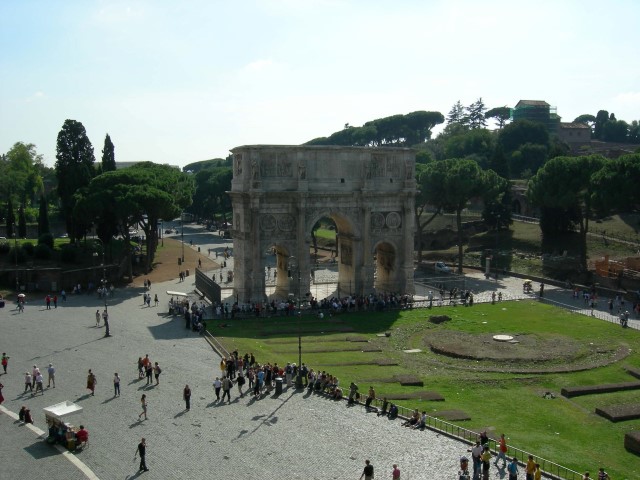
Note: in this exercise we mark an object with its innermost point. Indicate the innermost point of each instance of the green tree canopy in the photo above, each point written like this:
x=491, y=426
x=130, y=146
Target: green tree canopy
x=139, y=195
x=74, y=171
x=568, y=184
x=210, y=197
x=108, y=155
x=399, y=130
x=457, y=114
x=448, y=185
x=616, y=185
x=475, y=114
x=20, y=173
x=501, y=115
x=478, y=143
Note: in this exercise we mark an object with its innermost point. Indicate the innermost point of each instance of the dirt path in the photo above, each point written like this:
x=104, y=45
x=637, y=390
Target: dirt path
x=165, y=266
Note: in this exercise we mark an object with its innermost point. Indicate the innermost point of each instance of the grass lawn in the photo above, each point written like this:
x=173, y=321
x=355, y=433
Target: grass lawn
x=566, y=431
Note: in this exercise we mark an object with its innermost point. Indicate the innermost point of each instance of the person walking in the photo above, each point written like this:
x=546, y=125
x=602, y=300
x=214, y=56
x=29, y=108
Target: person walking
x=512, y=469
x=55, y=301
x=1, y=397
x=105, y=319
x=486, y=462
x=476, y=453
x=395, y=473
x=502, y=452
x=367, y=473
x=157, y=371
x=226, y=388
x=155, y=300
x=51, y=372
x=143, y=403
x=217, y=385
x=149, y=372
x=97, y=318
x=91, y=382
x=39, y=384
x=116, y=385
x=27, y=382
x=5, y=362
x=530, y=468
x=34, y=373
x=186, y=395
x=142, y=451
x=240, y=382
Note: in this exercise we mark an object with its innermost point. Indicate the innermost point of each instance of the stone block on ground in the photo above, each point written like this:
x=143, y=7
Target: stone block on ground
x=409, y=380
x=439, y=318
x=420, y=395
x=635, y=372
x=595, y=389
x=452, y=415
x=632, y=441
x=357, y=338
x=619, y=413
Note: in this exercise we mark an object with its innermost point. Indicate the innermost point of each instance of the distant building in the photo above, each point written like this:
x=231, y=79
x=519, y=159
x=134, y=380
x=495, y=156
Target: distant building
x=574, y=134
x=537, y=111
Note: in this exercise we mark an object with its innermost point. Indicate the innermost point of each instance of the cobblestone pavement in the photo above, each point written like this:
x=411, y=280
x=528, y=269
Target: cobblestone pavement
x=291, y=436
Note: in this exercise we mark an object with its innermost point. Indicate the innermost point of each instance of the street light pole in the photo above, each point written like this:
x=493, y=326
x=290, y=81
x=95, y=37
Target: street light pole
x=294, y=266
x=15, y=249
x=105, y=290
x=182, y=228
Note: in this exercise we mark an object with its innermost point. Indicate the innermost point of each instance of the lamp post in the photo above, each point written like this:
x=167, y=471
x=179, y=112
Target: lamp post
x=495, y=262
x=182, y=228
x=15, y=249
x=294, y=266
x=103, y=282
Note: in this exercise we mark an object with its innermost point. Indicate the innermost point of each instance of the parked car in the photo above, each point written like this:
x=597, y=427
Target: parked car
x=442, y=267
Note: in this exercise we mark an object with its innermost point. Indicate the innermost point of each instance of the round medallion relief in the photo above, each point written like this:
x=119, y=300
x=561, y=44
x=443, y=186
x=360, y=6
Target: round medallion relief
x=393, y=220
x=286, y=223
x=267, y=223
x=377, y=220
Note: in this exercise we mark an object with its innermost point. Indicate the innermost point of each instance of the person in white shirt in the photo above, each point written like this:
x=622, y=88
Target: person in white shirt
x=39, y=382
x=28, y=382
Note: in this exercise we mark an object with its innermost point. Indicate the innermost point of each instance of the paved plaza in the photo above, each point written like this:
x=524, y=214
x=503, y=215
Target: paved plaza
x=294, y=435
x=290, y=436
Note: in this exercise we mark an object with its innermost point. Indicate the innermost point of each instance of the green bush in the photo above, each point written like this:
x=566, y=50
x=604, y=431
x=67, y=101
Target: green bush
x=46, y=239
x=28, y=248
x=43, y=252
x=4, y=248
x=68, y=253
x=21, y=255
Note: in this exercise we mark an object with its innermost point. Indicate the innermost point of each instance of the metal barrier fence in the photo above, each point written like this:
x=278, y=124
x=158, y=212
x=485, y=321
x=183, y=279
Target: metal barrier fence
x=591, y=312
x=549, y=469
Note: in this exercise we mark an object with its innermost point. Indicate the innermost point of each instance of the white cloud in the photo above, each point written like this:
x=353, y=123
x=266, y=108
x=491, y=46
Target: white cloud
x=35, y=97
x=259, y=65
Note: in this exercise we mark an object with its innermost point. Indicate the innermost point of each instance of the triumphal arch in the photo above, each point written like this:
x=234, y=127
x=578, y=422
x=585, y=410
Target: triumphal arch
x=278, y=193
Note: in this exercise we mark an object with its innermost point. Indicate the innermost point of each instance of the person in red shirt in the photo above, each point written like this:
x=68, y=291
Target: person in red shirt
x=82, y=436
x=395, y=474
x=502, y=452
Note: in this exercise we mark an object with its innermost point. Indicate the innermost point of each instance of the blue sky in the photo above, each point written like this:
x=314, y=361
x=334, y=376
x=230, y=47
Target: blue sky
x=182, y=81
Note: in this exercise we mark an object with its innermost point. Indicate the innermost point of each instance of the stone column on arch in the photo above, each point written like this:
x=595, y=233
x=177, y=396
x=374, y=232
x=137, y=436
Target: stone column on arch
x=368, y=268
x=408, y=230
